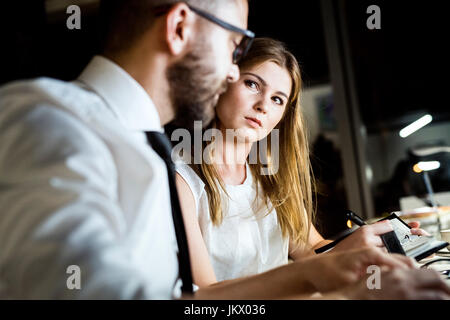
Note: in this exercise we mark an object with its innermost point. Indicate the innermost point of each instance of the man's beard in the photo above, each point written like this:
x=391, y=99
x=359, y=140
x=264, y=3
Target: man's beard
x=194, y=89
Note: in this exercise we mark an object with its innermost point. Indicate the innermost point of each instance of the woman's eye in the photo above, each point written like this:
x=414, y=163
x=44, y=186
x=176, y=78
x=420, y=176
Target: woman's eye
x=251, y=84
x=278, y=100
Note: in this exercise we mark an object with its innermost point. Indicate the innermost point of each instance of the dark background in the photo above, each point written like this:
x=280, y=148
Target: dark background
x=400, y=70
x=40, y=44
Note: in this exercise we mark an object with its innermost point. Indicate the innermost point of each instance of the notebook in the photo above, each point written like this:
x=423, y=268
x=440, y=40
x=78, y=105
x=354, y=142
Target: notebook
x=402, y=241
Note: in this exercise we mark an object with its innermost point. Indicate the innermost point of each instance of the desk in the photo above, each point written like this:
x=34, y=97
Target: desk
x=439, y=266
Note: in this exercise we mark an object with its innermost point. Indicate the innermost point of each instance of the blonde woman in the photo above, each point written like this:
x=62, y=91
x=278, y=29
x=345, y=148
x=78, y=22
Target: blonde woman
x=240, y=222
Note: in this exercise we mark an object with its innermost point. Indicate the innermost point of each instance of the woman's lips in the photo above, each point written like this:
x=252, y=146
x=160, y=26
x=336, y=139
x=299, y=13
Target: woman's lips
x=255, y=123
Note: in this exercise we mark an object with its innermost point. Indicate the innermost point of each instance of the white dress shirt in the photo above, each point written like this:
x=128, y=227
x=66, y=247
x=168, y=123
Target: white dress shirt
x=79, y=185
x=249, y=240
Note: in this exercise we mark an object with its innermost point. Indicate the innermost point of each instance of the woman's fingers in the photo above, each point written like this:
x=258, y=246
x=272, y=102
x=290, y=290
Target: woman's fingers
x=376, y=241
x=431, y=295
x=415, y=229
x=378, y=257
x=379, y=228
x=432, y=279
x=407, y=261
x=414, y=224
x=419, y=232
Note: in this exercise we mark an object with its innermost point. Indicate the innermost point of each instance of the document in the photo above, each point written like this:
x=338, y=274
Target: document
x=414, y=246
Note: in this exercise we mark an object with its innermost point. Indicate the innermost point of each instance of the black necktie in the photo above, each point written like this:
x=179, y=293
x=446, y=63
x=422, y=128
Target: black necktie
x=161, y=144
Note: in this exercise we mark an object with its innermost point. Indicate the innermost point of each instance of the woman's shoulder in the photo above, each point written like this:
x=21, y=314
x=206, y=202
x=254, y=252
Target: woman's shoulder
x=192, y=179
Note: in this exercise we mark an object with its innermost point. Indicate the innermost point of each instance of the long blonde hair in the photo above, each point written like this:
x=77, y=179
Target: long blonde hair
x=290, y=189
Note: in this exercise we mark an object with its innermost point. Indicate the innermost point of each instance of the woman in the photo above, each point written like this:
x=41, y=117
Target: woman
x=239, y=221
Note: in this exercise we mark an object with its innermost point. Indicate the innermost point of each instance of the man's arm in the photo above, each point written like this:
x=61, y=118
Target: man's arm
x=59, y=208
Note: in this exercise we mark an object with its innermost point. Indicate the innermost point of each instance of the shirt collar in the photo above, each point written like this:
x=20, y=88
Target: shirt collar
x=124, y=95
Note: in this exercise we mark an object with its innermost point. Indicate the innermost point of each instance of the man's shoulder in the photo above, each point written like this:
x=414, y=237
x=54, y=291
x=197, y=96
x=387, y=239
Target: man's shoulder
x=70, y=96
x=45, y=107
x=37, y=86
x=45, y=116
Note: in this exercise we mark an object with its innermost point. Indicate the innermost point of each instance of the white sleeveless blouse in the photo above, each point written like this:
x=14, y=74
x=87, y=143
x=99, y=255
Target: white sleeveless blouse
x=248, y=241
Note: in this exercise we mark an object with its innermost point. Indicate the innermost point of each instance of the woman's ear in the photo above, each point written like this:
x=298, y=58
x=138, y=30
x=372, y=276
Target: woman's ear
x=180, y=23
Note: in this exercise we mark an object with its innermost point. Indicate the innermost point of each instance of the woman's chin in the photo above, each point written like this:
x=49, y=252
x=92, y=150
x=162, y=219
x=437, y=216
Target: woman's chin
x=247, y=134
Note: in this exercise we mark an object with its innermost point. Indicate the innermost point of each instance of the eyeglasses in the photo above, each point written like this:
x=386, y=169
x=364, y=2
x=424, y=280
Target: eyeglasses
x=242, y=48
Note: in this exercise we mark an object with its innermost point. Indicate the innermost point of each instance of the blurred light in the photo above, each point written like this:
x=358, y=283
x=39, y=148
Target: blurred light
x=349, y=224
x=426, y=166
x=369, y=173
x=416, y=168
x=416, y=125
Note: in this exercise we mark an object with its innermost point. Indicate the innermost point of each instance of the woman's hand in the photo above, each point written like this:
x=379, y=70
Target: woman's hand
x=401, y=284
x=416, y=230
x=369, y=235
x=333, y=271
x=365, y=236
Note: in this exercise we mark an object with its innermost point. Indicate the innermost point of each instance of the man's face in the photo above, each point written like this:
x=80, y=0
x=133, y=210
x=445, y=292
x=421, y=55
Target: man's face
x=197, y=81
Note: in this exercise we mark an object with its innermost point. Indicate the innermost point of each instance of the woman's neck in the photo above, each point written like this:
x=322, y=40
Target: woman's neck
x=230, y=159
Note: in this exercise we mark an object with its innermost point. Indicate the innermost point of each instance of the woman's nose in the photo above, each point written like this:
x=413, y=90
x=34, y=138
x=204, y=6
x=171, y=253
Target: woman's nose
x=261, y=106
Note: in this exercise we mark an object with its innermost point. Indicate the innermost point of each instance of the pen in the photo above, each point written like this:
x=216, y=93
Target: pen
x=353, y=217
x=350, y=216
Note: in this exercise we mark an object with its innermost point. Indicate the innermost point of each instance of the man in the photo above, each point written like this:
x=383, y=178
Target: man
x=86, y=202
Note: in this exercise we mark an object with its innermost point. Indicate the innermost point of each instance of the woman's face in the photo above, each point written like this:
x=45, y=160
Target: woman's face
x=255, y=104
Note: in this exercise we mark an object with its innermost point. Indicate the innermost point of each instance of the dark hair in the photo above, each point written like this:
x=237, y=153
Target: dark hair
x=124, y=21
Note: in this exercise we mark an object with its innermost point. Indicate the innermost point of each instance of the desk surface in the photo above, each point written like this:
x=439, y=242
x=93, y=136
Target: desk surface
x=439, y=266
